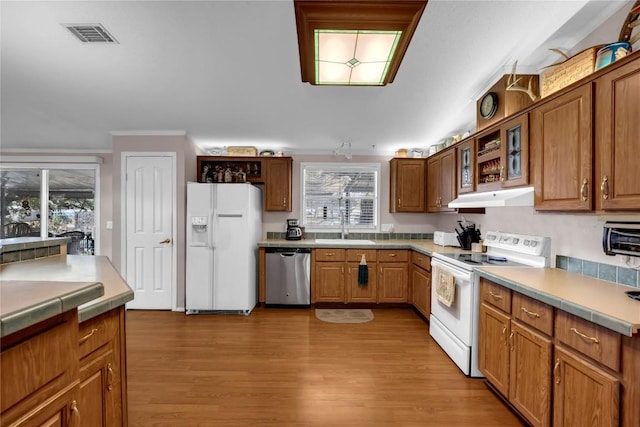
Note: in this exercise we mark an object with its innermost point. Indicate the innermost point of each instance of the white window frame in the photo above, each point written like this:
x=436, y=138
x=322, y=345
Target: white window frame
x=346, y=167
x=45, y=164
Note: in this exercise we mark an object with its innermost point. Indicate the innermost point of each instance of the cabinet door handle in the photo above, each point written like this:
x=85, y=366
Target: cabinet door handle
x=284, y=201
x=604, y=187
x=501, y=173
x=330, y=254
x=496, y=296
x=109, y=377
x=555, y=371
x=74, y=417
x=585, y=190
x=530, y=313
x=89, y=335
x=586, y=337
x=392, y=255
x=511, y=340
x=504, y=333
x=399, y=202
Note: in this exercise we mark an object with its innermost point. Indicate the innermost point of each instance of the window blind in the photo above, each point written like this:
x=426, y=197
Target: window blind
x=332, y=191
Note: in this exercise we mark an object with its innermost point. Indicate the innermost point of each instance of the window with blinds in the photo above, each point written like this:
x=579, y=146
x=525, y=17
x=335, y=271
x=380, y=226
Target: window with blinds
x=332, y=192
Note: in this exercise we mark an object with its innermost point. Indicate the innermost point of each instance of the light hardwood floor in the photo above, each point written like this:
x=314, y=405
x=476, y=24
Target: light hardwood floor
x=284, y=367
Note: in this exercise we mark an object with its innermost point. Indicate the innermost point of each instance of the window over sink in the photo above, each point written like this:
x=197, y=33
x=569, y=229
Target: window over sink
x=337, y=192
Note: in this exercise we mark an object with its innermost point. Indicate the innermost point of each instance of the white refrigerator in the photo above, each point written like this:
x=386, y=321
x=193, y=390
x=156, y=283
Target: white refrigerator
x=224, y=225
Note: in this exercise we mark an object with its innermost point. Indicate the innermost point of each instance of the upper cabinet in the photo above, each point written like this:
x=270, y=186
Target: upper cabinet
x=407, y=185
x=503, y=155
x=277, y=185
x=562, y=151
x=617, y=178
x=466, y=152
x=274, y=172
x=441, y=181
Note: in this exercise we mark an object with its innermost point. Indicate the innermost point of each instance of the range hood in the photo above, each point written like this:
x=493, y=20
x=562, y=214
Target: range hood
x=512, y=197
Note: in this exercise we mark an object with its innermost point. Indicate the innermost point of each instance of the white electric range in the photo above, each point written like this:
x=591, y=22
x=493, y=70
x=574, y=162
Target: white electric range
x=455, y=328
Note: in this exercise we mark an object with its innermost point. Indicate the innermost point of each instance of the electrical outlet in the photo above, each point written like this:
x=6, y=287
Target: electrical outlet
x=109, y=225
x=387, y=228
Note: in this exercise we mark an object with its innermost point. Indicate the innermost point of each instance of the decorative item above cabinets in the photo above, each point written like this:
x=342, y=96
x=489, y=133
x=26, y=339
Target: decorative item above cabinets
x=505, y=98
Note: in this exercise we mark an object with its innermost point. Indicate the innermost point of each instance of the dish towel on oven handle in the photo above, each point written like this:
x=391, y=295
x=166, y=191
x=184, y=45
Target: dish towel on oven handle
x=445, y=286
x=363, y=272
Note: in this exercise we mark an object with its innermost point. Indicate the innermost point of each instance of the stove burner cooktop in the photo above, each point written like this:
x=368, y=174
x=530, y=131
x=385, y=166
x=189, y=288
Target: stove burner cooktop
x=483, y=259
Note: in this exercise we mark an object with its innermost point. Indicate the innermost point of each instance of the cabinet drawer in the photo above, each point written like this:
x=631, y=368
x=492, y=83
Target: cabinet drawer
x=46, y=362
x=356, y=255
x=600, y=344
x=533, y=313
x=389, y=255
x=323, y=254
x=96, y=332
x=421, y=260
x=496, y=295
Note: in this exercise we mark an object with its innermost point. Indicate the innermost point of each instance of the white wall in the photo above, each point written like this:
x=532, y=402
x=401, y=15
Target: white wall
x=574, y=235
x=403, y=222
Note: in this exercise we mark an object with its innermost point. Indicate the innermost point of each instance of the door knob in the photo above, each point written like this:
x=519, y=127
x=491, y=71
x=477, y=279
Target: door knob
x=167, y=240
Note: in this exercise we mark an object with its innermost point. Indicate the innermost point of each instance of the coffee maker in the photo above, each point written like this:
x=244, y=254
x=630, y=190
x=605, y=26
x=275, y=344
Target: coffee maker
x=294, y=232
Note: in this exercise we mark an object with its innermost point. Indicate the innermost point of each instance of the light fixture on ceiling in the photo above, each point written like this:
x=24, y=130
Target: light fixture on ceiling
x=344, y=150
x=354, y=42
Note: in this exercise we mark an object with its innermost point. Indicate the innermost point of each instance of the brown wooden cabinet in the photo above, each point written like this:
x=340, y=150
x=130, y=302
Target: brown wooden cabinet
x=617, y=178
x=274, y=172
x=466, y=152
x=562, y=151
x=590, y=380
x=407, y=190
x=277, y=185
x=441, y=181
x=102, y=377
x=421, y=283
x=515, y=358
x=530, y=374
x=39, y=366
x=583, y=393
x=393, y=275
x=502, y=158
x=336, y=276
x=329, y=275
x=493, y=350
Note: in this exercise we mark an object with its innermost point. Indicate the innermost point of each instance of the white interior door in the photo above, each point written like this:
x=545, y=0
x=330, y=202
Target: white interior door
x=148, y=236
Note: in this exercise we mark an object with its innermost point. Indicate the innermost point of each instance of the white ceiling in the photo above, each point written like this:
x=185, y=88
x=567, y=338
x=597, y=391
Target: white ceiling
x=227, y=73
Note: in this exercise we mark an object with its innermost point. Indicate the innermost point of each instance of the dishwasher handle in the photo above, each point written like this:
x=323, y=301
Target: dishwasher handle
x=284, y=252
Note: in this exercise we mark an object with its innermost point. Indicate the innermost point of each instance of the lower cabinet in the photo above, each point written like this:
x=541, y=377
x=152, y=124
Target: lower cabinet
x=421, y=283
x=584, y=395
x=102, y=378
x=555, y=368
x=336, y=276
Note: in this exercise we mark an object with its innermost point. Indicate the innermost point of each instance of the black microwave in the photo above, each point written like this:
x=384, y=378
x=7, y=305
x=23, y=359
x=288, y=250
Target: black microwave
x=621, y=238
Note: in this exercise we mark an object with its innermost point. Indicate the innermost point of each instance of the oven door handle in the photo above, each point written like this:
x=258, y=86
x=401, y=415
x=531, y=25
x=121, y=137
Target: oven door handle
x=457, y=272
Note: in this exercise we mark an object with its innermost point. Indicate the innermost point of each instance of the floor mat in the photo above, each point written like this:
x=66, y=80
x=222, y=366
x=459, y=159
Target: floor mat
x=344, y=316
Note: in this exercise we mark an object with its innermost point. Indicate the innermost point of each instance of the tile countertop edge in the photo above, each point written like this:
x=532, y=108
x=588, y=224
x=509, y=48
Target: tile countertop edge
x=28, y=316
x=602, y=319
x=422, y=246
x=92, y=309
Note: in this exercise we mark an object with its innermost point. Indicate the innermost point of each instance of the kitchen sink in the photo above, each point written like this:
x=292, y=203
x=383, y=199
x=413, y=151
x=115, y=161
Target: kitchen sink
x=346, y=241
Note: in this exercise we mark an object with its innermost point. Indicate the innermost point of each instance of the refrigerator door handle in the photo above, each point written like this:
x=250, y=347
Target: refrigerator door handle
x=229, y=215
x=212, y=218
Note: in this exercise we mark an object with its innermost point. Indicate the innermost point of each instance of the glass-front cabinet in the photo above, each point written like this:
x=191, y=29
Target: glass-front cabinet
x=502, y=156
x=466, y=153
x=515, y=151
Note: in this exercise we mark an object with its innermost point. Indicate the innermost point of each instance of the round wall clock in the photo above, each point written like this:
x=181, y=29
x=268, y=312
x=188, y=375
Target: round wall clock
x=488, y=105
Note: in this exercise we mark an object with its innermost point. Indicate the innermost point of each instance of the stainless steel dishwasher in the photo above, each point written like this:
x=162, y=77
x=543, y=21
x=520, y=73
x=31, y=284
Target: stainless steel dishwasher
x=288, y=276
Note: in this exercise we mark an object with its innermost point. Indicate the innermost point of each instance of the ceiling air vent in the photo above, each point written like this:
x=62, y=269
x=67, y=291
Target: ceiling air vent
x=91, y=33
